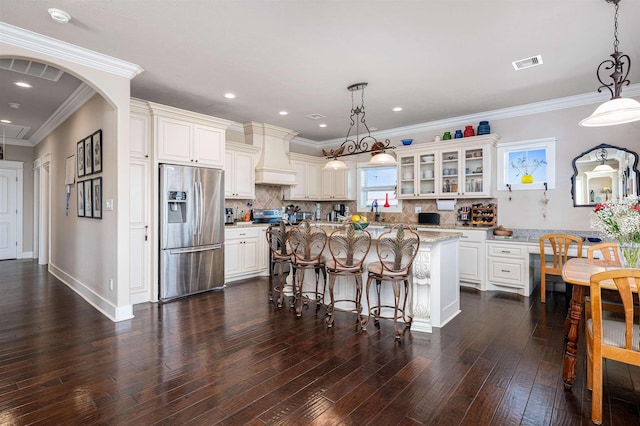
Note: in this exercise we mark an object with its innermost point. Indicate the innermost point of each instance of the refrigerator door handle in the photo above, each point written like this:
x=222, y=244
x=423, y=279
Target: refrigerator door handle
x=195, y=249
x=197, y=201
x=201, y=207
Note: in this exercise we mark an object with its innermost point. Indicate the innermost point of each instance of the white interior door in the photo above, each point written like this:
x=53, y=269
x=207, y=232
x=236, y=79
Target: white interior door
x=8, y=214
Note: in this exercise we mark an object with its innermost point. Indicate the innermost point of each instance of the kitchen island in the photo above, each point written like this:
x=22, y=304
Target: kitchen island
x=434, y=297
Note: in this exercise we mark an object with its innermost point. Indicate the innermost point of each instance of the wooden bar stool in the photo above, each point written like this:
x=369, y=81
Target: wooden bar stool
x=281, y=256
x=348, y=248
x=560, y=245
x=396, y=250
x=307, y=242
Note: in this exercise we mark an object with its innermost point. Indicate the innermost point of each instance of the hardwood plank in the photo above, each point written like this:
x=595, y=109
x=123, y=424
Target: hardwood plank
x=233, y=358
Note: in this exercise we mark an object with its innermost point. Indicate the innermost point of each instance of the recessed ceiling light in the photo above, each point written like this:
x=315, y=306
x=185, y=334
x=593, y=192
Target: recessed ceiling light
x=397, y=109
x=14, y=105
x=230, y=95
x=283, y=113
x=22, y=84
x=5, y=121
x=373, y=129
x=59, y=15
x=322, y=125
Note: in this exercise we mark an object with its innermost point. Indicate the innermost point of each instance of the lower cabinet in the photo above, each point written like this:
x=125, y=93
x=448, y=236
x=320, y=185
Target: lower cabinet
x=508, y=268
x=245, y=252
x=472, y=255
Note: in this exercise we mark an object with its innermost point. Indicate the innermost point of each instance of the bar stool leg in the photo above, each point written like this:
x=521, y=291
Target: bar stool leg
x=329, y=319
x=365, y=321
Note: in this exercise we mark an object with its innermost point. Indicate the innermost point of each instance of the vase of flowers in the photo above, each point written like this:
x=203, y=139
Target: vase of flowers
x=620, y=219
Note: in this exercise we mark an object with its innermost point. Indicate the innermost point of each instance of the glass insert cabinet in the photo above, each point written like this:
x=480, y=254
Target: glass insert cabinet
x=447, y=169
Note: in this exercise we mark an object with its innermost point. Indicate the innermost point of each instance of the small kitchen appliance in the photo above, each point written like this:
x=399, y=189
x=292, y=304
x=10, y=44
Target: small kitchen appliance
x=228, y=216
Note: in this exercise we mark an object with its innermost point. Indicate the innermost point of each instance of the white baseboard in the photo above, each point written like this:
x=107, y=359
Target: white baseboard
x=26, y=255
x=108, y=309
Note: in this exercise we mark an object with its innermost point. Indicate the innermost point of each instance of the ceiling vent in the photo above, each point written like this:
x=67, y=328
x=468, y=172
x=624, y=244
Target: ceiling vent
x=35, y=69
x=315, y=116
x=533, y=61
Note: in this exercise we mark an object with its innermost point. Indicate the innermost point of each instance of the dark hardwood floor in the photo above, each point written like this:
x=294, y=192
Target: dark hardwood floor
x=232, y=358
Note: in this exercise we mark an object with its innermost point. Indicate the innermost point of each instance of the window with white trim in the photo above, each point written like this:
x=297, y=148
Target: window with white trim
x=378, y=183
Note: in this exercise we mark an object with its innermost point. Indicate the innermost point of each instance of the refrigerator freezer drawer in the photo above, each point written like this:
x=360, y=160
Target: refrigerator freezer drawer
x=191, y=270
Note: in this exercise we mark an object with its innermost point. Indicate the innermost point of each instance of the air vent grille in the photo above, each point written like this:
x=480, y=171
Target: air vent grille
x=35, y=69
x=533, y=61
x=315, y=116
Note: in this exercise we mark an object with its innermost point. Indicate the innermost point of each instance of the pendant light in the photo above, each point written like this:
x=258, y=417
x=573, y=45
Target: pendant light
x=618, y=110
x=359, y=145
x=602, y=154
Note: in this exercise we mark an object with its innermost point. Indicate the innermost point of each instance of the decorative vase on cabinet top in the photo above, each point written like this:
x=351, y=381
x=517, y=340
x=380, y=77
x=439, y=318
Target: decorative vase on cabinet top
x=468, y=131
x=458, y=134
x=446, y=136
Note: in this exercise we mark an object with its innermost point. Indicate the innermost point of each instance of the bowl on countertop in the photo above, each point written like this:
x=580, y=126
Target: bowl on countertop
x=594, y=239
x=406, y=141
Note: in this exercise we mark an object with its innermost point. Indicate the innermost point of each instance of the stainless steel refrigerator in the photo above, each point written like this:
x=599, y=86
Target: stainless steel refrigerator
x=191, y=230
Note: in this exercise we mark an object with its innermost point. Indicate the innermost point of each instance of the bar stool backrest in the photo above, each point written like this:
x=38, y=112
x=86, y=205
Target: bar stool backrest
x=277, y=239
x=307, y=241
x=397, y=248
x=349, y=247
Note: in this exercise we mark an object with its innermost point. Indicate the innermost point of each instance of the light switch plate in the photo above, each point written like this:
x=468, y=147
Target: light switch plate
x=108, y=205
x=418, y=209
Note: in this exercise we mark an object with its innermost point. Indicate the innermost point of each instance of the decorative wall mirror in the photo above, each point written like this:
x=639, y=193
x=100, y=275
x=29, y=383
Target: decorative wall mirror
x=603, y=173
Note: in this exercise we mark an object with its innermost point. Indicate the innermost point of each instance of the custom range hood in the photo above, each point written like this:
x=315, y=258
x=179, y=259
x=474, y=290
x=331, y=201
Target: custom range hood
x=273, y=167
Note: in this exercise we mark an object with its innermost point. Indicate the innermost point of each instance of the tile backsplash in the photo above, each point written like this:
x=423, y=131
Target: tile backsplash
x=270, y=196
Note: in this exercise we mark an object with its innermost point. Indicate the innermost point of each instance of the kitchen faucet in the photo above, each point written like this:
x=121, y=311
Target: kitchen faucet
x=374, y=205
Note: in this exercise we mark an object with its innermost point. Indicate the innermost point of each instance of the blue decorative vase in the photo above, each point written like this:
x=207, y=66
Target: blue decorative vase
x=483, y=128
x=458, y=134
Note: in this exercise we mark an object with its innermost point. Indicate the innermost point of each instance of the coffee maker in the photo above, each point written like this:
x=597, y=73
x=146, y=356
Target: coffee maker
x=228, y=216
x=339, y=209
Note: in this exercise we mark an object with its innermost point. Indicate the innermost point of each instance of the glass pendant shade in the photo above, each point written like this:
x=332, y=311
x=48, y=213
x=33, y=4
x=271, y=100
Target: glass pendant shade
x=603, y=168
x=615, y=111
x=335, y=165
x=382, y=159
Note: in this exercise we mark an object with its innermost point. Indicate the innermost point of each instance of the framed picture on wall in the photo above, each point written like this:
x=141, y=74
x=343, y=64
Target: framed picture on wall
x=88, y=156
x=88, y=208
x=80, y=157
x=97, y=198
x=97, y=151
x=80, y=194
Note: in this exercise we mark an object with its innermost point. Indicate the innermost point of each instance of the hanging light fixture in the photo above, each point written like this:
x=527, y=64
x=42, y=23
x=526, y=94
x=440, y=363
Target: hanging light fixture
x=602, y=154
x=359, y=145
x=618, y=110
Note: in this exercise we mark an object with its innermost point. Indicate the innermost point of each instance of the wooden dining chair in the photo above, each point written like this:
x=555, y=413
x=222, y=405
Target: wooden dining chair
x=608, y=253
x=616, y=337
x=560, y=245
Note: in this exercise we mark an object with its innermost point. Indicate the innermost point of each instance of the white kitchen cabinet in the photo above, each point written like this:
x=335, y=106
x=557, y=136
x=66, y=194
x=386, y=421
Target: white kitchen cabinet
x=417, y=174
x=460, y=168
x=239, y=171
x=472, y=254
x=139, y=130
x=188, y=138
x=339, y=184
x=244, y=252
x=466, y=171
x=308, y=178
x=139, y=238
x=508, y=267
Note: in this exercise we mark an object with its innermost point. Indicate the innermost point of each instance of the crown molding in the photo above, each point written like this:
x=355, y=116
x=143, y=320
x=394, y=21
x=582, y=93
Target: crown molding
x=35, y=42
x=78, y=98
x=498, y=114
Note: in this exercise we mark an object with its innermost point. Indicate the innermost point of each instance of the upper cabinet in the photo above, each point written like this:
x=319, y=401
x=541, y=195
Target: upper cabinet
x=188, y=138
x=461, y=168
x=308, y=177
x=339, y=184
x=139, y=130
x=239, y=171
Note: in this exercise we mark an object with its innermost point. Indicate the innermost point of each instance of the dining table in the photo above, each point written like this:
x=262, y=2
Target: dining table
x=578, y=271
